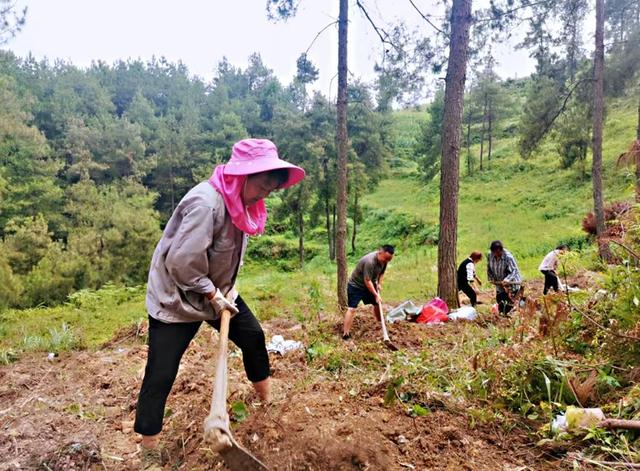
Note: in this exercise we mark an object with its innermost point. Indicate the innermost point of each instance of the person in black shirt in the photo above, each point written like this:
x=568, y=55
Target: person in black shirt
x=467, y=277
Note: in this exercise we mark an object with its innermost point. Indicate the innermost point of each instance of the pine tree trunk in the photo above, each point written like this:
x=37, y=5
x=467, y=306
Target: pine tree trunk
x=173, y=197
x=327, y=213
x=484, y=120
x=638, y=156
x=341, y=236
x=449, y=173
x=301, y=238
x=638, y=128
x=355, y=221
x=327, y=209
x=490, y=131
x=333, y=234
x=300, y=228
x=469, y=143
x=598, y=117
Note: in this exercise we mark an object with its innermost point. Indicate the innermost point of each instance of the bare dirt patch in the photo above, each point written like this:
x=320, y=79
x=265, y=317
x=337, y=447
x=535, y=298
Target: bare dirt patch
x=77, y=411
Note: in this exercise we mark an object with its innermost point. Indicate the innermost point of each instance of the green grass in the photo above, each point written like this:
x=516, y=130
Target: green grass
x=530, y=205
x=87, y=321
x=405, y=128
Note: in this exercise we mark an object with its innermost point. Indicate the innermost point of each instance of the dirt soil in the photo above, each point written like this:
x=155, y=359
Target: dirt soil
x=76, y=411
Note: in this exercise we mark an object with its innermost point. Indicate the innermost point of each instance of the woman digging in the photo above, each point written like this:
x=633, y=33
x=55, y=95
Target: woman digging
x=193, y=273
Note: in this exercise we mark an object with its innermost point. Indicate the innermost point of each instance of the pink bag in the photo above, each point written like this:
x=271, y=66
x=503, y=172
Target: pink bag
x=434, y=312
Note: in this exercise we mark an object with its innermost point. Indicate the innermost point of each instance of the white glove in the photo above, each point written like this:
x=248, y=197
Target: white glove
x=232, y=294
x=220, y=303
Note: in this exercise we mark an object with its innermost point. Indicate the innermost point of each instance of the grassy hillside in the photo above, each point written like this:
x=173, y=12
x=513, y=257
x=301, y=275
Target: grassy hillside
x=530, y=205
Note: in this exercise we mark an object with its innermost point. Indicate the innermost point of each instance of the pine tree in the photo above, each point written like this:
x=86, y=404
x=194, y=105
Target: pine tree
x=449, y=172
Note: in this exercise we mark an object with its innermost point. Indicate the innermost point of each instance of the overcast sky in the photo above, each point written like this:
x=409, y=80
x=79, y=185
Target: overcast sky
x=200, y=32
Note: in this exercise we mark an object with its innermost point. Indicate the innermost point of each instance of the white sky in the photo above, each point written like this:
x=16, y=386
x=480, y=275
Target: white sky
x=201, y=32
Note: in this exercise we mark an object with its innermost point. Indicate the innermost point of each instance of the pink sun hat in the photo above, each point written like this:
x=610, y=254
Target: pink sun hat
x=251, y=156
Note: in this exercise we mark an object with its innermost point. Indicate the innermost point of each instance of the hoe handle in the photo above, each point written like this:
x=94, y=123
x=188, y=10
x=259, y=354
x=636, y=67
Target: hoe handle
x=219, y=402
x=216, y=425
x=385, y=335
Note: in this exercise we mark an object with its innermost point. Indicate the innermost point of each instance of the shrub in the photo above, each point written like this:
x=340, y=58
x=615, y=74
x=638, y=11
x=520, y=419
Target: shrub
x=10, y=287
x=280, y=250
x=52, y=279
x=395, y=227
x=576, y=243
x=612, y=213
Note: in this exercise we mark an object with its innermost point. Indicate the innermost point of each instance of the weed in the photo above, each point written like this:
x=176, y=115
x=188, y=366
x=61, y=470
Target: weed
x=239, y=412
x=418, y=410
x=56, y=340
x=8, y=356
x=79, y=411
x=391, y=394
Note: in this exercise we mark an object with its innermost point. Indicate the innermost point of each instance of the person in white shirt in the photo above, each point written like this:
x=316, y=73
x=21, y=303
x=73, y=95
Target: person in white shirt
x=549, y=266
x=467, y=277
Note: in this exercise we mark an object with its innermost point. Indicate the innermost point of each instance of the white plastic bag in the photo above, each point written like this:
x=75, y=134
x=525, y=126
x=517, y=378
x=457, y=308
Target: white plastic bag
x=466, y=313
x=279, y=345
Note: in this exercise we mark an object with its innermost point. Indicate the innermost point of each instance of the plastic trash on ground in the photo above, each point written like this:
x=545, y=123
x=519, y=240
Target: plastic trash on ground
x=402, y=312
x=465, y=313
x=559, y=423
x=279, y=345
x=576, y=418
x=434, y=312
x=566, y=288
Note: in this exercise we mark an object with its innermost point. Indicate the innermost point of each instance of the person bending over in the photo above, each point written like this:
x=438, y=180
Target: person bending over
x=365, y=285
x=193, y=274
x=502, y=271
x=549, y=267
x=467, y=277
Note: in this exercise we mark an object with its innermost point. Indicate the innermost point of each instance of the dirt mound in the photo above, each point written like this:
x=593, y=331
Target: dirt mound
x=77, y=411
x=303, y=437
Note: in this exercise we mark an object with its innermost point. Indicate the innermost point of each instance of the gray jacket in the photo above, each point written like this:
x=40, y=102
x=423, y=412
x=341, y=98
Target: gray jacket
x=200, y=250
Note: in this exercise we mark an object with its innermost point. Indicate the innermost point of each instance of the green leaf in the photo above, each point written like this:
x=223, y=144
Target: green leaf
x=239, y=411
x=547, y=383
x=391, y=392
x=418, y=411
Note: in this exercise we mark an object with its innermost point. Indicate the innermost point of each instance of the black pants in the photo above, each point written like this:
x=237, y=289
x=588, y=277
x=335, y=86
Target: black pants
x=468, y=290
x=167, y=343
x=504, y=303
x=550, y=281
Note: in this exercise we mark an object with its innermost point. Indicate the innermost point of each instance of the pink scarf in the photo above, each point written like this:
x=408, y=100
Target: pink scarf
x=250, y=220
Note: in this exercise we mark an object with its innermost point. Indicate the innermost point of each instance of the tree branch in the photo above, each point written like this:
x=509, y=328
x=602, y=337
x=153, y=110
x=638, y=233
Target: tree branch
x=597, y=324
x=631, y=252
x=382, y=34
x=587, y=316
x=319, y=33
x=424, y=17
x=513, y=10
x=560, y=110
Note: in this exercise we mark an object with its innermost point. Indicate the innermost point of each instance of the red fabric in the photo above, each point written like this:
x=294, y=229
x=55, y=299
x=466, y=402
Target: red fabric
x=433, y=312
